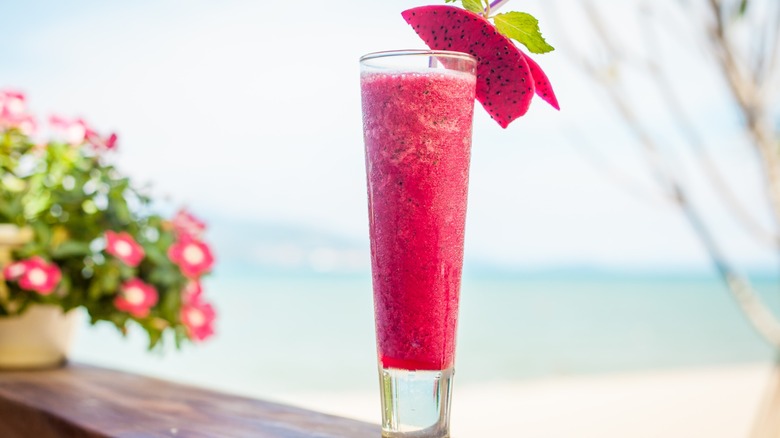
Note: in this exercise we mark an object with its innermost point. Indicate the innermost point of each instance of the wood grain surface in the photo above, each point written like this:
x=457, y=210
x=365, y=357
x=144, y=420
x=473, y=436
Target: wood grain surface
x=84, y=401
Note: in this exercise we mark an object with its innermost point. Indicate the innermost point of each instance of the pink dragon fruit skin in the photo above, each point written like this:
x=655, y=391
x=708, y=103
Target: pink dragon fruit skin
x=505, y=75
x=541, y=83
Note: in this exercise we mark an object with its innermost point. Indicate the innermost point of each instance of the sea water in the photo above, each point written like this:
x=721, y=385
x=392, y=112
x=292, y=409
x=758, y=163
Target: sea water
x=279, y=334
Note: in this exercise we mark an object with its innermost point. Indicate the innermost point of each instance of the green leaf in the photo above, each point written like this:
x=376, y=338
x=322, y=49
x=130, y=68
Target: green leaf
x=164, y=275
x=42, y=232
x=523, y=28
x=473, y=5
x=94, y=290
x=743, y=7
x=35, y=205
x=109, y=282
x=154, y=338
x=71, y=248
x=11, y=209
x=171, y=303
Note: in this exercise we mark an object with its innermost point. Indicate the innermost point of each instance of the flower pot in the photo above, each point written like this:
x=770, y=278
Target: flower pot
x=11, y=235
x=39, y=338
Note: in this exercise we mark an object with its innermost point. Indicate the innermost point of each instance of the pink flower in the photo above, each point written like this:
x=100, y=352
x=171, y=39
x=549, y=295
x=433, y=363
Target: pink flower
x=78, y=132
x=12, y=102
x=192, y=292
x=198, y=318
x=34, y=274
x=193, y=257
x=186, y=224
x=13, y=112
x=110, y=142
x=74, y=130
x=102, y=143
x=124, y=247
x=13, y=271
x=26, y=123
x=136, y=298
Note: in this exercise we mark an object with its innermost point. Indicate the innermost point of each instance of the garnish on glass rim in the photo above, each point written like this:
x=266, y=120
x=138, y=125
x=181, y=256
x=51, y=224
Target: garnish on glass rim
x=507, y=78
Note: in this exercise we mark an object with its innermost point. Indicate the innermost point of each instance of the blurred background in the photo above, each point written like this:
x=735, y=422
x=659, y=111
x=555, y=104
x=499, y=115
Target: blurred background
x=579, y=265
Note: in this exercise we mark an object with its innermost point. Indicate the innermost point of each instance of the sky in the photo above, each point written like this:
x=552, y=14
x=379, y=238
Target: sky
x=251, y=111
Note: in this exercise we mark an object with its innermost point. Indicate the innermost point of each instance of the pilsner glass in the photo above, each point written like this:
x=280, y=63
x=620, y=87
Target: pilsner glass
x=417, y=117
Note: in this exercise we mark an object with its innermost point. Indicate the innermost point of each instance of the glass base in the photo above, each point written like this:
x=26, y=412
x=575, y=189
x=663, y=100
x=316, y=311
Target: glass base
x=415, y=404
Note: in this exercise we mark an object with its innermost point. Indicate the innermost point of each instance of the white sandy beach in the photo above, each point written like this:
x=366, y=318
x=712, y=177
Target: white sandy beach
x=698, y=403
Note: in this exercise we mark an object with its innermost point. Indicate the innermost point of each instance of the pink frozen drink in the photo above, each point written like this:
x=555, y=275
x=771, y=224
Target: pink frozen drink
x=417, y=128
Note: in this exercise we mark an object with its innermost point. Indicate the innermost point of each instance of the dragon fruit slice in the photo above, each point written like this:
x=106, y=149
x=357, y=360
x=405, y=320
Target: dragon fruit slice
x=505, y=78
x=541, y=83
x=504, y=83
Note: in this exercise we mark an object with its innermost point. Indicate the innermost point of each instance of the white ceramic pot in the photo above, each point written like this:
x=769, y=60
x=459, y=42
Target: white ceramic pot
x=40, y=338
x=11, y=235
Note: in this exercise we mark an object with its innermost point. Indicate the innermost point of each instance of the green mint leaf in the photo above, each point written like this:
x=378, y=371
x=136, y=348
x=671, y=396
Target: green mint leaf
x=473, y=5
x=450, y=1
x=524, y=28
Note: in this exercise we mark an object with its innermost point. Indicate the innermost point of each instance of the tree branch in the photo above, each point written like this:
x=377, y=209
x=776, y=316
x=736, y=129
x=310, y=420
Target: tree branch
x=756, y=311
x=686, y=126
x=751, y=103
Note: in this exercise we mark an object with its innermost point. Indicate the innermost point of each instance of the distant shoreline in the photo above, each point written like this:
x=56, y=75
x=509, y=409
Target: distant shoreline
x=479, y=271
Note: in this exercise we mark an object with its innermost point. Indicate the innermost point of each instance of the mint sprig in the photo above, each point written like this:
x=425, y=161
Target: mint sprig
x=524, y=28
x=474, y=6
x=519, y=26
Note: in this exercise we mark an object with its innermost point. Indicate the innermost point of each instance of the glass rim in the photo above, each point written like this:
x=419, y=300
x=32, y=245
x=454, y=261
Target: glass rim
x=417, y=52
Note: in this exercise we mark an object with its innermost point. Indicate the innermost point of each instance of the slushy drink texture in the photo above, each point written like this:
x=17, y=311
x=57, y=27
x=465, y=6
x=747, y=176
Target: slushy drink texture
x=417, y=129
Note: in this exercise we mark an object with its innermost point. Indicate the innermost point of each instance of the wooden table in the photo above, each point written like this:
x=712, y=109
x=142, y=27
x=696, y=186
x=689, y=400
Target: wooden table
x=84, y=401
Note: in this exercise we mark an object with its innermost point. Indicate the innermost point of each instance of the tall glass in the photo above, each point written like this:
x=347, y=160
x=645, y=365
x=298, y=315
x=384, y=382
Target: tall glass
x=417, y=117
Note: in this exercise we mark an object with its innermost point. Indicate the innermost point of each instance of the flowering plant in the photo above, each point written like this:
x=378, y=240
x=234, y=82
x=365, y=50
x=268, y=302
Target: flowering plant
x=94, y=243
